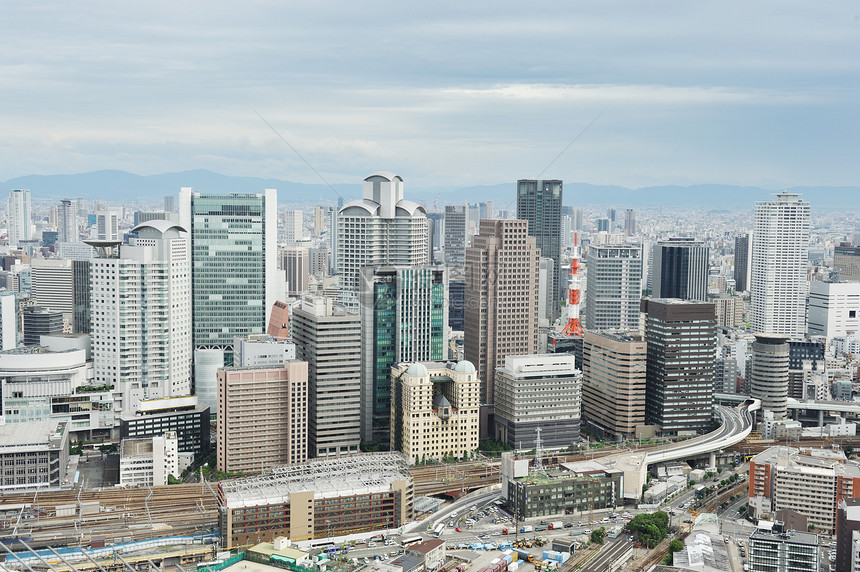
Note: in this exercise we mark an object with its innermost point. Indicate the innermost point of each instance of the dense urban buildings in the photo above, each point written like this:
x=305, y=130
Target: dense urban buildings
x=538, y=396
x=613, y=287
x=613, y=383
x=434, y=410
x=680, y=267
x=681, y=338
x=539, y=203
x=328, y=338
x=501, y=305
x=381, y=229
x=404, y=318
x=778, y=270
x=234, y=267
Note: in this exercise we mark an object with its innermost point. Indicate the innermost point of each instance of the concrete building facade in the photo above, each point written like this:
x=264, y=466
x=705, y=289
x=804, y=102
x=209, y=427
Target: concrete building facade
x=613, y=383
x=613, y=287
x=834, y=308
x=262, y=417
x=769, y=373
x=538, y=392
x=147, y=462
x=455, y=235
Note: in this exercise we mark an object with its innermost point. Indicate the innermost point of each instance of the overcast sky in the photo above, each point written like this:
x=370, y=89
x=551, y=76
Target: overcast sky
x=445, y=94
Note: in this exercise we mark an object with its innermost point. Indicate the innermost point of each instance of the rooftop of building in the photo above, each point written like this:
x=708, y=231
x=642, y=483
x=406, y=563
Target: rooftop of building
x=136, y=447
x=427, y=546
x=790, y=536
x=327, y=478
x=32, y=434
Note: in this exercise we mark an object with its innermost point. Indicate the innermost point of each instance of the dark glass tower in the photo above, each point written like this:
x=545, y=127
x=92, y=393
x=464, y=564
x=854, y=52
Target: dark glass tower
x=742, y=264
x=539, y=202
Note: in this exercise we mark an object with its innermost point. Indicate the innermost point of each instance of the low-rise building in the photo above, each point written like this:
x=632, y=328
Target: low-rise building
x=33, y=455
x=320, y=498
x=148, y=461
x=432, y=552
x=183, y=415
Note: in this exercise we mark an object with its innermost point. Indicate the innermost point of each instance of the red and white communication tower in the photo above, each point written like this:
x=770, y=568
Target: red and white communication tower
x=573, y=326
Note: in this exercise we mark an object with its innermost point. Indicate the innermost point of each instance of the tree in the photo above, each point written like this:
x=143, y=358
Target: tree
x=171, y=480
x=597, y=535
x=651, y=528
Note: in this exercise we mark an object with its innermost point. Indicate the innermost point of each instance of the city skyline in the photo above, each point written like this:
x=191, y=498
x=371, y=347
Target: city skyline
x=670, y=97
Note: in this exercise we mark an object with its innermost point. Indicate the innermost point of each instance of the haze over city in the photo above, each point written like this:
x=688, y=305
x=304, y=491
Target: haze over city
x=447, y=95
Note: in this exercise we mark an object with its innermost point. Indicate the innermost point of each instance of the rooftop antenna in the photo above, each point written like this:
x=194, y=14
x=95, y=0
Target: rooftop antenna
x=539, y=468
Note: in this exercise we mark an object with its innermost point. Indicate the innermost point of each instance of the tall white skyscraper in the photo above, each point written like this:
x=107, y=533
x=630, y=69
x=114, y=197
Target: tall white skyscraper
x=140, y=301
x=381, y=229
x=613, y=287
x=779, y=260
x=293, y=227
x=67, y=221
x=20, y=217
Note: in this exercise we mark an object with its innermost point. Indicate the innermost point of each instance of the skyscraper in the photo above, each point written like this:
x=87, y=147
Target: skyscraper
x=234, y=266
x=681, y=269
x=501, y=304
x=779, y=259
x=67, y=221
x=455, y=235
x=329, y=339
x=613, y=287
x=742, y=263
x=539, y=203
x=293, y=227
x=20, y=217
x=381, y=229
x=681, y=337
x=295, y=263
x=846, y=261
x=141, y=316
x=629, y=222
x=404, y=317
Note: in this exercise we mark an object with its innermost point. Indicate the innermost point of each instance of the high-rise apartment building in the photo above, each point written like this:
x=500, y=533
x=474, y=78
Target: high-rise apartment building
x=434, y=410
x=613, y=383
x=328, y=338
x=234, y=274
x=769, y=373
x=319, y=220
x=19, y=217
x=681, y=337
x=742, y=263
x=680, y=269
x=404, y=318
x=779, y=259
x=455, y=235
x=539, y=203
x=67, y=221
x=502, y=298
x=381, y=229
x=295, y=262
x=262, y=417
x=141, y=316
x=534, y=392
x=613, y=287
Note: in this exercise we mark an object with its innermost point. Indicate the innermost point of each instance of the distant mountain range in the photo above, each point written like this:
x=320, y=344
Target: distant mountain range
x=122, y=186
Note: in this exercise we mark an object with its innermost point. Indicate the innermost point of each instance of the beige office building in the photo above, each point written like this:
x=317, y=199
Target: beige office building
x=501, y=301
x=262, y=417
x=614, y=364
x=434, y=410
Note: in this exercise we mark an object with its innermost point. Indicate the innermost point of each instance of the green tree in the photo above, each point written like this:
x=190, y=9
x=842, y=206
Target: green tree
x=171, y=480
x=650, y=528
x=597, y=535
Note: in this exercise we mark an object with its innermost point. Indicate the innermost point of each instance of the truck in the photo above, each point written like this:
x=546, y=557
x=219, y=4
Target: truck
x=525, y=529
x=556, y=525
x=540, y=528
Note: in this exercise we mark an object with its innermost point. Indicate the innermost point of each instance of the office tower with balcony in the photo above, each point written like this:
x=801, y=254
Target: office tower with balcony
x=380, y=229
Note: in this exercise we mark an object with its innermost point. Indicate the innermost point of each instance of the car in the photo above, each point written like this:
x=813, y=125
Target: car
x=497, y=534
x=688, y=521
x=450, y=523
x=371, y=544
x=458, y=529
x=568, y=525
x=483, y=536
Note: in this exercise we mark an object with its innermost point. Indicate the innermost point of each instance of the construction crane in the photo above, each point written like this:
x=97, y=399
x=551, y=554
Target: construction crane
x=573, y=326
